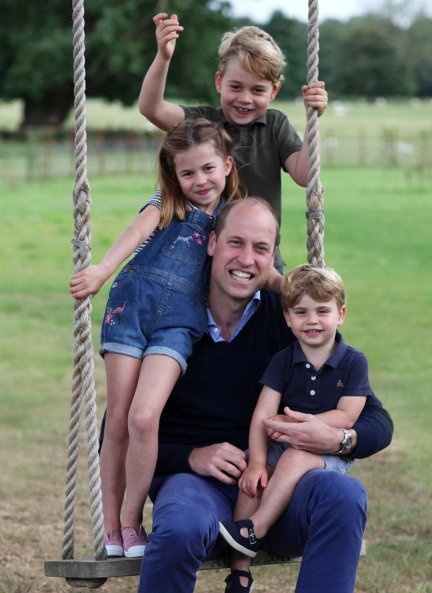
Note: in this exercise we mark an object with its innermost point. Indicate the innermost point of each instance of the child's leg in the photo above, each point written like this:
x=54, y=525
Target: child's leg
x=292, y=465
x=122, y=374
x=245, y=507
x=157, y=378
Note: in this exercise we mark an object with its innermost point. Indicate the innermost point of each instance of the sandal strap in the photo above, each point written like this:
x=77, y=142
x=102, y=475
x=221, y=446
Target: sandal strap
x=250, y=528
x=239, y=573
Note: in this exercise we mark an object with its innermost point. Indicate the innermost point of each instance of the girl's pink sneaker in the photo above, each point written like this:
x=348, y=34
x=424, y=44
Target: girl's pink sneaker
x=134, y=543
x=113, y=543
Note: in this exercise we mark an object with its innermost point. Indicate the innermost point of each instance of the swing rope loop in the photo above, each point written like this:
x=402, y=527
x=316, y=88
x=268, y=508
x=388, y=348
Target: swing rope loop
x=83, y=398
x=83, y=385
x=314, y=192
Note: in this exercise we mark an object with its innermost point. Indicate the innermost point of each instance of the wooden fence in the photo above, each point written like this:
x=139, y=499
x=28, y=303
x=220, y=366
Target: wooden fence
x=45, y=156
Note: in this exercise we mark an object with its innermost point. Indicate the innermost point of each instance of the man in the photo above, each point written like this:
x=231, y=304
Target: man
x=205, y=424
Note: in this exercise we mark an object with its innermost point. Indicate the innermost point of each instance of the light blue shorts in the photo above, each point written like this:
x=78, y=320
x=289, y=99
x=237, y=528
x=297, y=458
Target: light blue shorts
x=335, y=463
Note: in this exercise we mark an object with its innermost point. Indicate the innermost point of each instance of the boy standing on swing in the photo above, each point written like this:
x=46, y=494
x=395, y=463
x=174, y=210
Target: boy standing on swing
x=248, y=79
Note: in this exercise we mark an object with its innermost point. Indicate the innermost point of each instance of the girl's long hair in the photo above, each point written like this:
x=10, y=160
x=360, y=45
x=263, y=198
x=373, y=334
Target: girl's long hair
x=183, y=136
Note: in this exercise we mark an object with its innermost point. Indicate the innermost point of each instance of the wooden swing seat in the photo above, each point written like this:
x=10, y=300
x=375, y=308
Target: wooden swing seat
x=93, y=573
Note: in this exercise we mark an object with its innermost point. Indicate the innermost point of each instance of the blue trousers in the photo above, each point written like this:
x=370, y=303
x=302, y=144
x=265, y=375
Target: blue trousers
x=324, y=523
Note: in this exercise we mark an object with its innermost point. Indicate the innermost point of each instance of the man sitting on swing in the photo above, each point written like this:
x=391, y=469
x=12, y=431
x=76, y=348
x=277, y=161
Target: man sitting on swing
x=204, y=433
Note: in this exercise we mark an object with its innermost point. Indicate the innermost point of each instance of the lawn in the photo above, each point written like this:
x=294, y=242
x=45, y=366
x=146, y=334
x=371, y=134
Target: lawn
x=377, y=237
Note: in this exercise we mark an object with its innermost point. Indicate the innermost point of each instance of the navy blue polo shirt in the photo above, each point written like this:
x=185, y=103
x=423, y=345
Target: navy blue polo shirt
x=306, y=390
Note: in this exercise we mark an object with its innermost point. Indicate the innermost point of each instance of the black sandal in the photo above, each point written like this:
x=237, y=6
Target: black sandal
x=234, y=585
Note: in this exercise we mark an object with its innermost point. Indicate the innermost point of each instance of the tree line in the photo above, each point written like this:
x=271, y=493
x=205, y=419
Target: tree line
x=369, y=56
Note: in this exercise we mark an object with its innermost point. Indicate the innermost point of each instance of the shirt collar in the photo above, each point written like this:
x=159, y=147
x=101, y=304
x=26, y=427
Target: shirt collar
x=214, y=330
x=338, y=352
x=260, y=120
x=334, y=358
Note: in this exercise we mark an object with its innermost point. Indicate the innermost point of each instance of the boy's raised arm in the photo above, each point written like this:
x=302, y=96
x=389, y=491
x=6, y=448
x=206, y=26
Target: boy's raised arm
x=151, y=101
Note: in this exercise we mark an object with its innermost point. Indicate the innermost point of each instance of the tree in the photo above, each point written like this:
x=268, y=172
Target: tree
x=368, y=62
x=419, y=54
x=331, y=31
x=36, y=52
x=291, y=36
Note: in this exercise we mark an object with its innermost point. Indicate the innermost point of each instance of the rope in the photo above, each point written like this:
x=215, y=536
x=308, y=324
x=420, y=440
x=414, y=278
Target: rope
x=83, y=388
x=314, y=197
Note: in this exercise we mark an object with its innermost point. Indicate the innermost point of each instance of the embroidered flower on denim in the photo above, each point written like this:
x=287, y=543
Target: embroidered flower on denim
x=109, y=318
x=199, y=239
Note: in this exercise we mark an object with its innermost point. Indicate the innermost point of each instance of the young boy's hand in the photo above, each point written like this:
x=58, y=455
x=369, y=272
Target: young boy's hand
x=253, y=480
x=315, y=95
x=167, y=32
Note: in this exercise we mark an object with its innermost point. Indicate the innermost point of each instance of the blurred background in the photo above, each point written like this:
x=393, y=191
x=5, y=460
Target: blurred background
x=375, y=57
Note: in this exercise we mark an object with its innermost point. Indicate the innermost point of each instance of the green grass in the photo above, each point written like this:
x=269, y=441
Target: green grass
x=377, y=237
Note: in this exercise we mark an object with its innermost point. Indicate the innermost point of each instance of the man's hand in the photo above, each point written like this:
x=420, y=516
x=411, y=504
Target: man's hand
x=222, y=461
x=303, y=431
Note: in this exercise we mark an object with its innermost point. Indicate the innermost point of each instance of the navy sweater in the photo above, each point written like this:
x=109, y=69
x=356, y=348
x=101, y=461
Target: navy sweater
x=214, y=400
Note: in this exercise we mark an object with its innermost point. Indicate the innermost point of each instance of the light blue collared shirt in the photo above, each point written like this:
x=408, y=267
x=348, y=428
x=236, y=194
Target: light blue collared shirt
x=215, y=331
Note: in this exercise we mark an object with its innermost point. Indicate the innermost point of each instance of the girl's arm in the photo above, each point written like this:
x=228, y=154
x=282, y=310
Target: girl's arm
x=255, y=476
x=346, y=414
x=151, y=101
x=88, y=281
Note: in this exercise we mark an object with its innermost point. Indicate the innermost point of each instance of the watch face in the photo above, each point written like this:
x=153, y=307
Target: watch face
x=347, y=442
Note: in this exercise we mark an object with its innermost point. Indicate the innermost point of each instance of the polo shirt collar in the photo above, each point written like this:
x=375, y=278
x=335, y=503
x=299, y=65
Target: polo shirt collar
x=261, y=120
x=338, y=353
x=333, y=360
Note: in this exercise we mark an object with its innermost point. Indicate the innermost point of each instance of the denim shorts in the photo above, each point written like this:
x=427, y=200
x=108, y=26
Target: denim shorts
x=156, y=304
x=334, y=463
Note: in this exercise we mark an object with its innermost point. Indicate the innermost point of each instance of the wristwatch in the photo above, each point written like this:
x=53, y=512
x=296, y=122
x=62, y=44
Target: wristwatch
x=346, y=443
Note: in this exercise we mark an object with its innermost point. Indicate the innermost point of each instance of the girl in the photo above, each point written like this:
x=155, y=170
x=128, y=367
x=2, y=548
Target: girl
x=155, y=312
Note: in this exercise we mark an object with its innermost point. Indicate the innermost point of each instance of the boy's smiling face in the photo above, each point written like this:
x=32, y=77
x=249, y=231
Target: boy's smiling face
x=313, y=323
x=244, y=96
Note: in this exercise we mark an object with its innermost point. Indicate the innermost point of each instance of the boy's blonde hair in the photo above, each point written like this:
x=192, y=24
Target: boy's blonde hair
x=321, y=284
x=181, y=137
x=257, y=52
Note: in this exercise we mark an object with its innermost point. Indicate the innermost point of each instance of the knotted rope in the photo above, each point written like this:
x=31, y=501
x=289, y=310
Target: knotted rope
x=314, y=197
x=83, y=387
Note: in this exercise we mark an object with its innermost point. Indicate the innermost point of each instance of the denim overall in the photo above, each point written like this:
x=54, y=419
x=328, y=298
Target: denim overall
x=156, y=304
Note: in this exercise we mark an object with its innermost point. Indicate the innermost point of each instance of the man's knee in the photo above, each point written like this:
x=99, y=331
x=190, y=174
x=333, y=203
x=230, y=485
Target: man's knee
x=340, y=496
x=346, y=491
x=181, y=522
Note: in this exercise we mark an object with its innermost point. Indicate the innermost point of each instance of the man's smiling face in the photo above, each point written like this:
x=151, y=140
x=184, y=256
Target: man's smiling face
x=242, y=252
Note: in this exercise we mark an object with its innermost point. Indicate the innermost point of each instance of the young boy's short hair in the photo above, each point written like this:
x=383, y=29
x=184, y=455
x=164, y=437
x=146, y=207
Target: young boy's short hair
x=321, y=284
x=257, y=52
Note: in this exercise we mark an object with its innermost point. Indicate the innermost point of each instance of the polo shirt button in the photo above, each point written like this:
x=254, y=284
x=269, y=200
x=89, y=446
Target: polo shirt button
x=313, y=378
x=312, y=392
x=308, y=365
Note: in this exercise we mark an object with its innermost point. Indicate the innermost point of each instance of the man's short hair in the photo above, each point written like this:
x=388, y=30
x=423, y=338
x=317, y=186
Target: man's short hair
x=322, y=284
x=250, y=201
